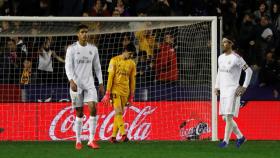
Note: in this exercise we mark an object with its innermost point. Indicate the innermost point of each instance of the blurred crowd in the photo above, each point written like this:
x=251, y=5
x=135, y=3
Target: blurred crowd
x=255, y=25
x=108, y=7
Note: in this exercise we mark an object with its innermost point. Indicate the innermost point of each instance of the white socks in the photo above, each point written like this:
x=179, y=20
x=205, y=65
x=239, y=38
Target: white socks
x=236, y=130
x=78, y=128
x=79, y=125
x=92, y=127
x=231, y=126
x=228, y=129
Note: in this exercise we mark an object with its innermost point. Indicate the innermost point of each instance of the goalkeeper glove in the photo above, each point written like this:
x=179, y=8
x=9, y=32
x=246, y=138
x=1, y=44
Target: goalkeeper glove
x=106, y=98
x=130, y=99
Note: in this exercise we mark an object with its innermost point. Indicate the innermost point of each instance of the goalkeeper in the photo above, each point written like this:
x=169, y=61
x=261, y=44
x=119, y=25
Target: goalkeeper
x=120, y=88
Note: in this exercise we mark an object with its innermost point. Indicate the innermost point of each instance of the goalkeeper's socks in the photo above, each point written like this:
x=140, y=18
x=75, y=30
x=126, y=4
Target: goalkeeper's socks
x=120, y=124
x=92, y=127
x=115, y=127
x=78, y=128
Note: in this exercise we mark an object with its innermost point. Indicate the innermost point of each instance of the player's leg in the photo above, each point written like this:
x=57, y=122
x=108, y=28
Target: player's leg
x=236, y=130
x=115, y=131
x=77, y=103
x=79, y=123
x=240, y=138
x=91, y=99
x=227, y=133
x=228, y=127
x=92, y=125
x=123, y=104
x=119, y=109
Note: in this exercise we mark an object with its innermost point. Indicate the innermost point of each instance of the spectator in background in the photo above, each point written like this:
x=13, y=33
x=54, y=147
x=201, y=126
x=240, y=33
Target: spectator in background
x=9, y=63
x=247, y=39
x=274, y=13
x=22, y=63
x=35, y=29
x=45, y=66
x=247, y=45
x=166, y=67
x=122, y=8
x=20, y=57
x=270, y=73
x=265, y=36
x=99, y=9
x=262, y=11
x=5, y=26
x=116, y=13
x=145, y=73
x=16, y=26
x=147, y=42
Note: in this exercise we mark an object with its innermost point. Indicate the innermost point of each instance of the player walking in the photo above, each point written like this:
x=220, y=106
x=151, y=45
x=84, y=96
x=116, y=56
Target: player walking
x=80, y=58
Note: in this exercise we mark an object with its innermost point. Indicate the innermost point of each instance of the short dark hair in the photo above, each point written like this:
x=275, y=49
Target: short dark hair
x=81, y=26
x=131, y=48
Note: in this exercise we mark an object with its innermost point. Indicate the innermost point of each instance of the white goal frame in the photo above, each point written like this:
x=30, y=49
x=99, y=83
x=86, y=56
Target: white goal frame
x=214, y=43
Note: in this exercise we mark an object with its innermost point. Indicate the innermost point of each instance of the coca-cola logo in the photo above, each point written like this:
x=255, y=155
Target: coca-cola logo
x=139, y=128
x=193, y=129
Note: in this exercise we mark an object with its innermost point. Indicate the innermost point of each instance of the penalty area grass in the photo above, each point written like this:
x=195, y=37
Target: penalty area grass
x=139, y=149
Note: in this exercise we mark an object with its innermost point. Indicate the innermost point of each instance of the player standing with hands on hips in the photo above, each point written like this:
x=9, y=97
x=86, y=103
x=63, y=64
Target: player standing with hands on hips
x=227, y=86
x=80, y=58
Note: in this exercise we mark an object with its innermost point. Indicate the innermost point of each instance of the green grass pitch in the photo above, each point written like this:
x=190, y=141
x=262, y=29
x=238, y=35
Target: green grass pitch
x=143, y=149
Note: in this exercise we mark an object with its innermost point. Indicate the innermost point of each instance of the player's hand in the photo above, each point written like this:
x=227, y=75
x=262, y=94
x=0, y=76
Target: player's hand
x=101, y=89
x=240, y=91
x=73, y=86
x=130, y=100
x=217, y=91
x=106, y=98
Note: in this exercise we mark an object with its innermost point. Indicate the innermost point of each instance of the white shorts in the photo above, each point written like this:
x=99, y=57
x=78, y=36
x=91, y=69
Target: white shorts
x=83, y=96
x=229, y=105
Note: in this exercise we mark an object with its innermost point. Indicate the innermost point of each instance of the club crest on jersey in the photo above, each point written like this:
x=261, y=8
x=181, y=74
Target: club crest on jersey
x=229, y=62
x=90, y=52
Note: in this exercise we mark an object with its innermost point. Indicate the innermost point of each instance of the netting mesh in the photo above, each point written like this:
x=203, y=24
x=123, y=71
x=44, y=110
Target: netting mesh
x=173, y=68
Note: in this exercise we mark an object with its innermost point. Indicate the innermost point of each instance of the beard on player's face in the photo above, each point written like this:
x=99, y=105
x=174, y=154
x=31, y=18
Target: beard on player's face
x=226, y=47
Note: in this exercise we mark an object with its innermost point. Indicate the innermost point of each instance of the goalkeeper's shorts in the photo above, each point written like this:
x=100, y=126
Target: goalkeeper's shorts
x=118, y=101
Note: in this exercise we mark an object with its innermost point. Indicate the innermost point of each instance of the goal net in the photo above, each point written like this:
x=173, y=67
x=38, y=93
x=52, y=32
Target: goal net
x=176, y=66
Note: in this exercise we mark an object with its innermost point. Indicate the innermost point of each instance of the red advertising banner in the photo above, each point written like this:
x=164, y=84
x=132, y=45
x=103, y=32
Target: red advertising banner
x=258, y=120
x=144, y=121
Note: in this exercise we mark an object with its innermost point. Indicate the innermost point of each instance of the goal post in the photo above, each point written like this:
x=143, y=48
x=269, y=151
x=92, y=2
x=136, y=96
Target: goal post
x=183, y=100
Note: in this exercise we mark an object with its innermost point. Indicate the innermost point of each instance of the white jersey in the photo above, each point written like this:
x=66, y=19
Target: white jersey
x=45, y=61
x=230, y=67
x=78, y=65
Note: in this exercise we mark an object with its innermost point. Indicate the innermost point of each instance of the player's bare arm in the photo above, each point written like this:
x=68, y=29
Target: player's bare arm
x=101, y=89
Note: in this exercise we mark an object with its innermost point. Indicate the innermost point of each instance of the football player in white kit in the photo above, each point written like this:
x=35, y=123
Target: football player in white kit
x=227, y=86
x=80, y=58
